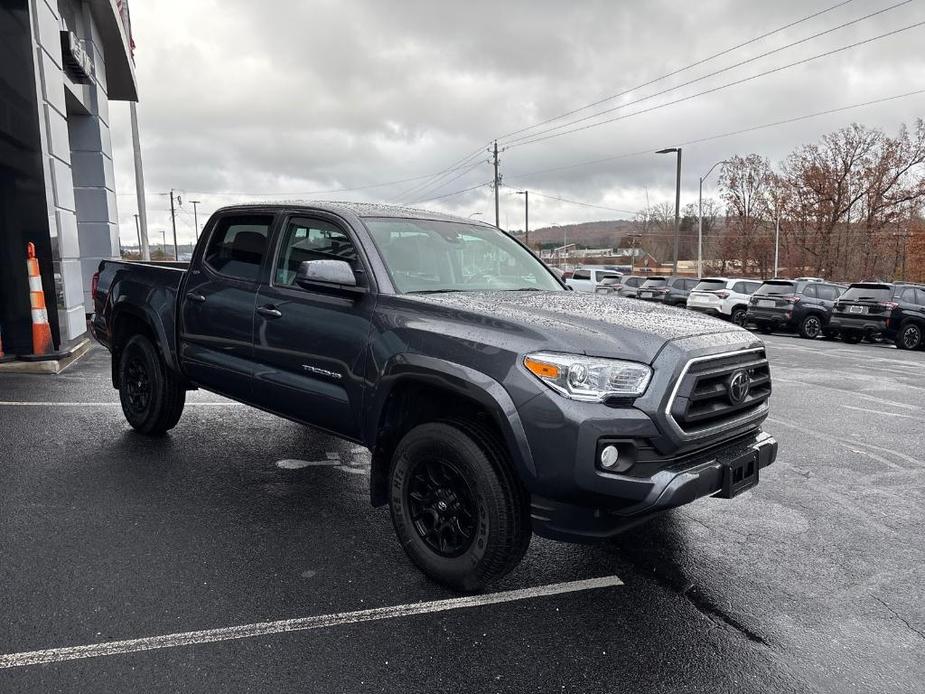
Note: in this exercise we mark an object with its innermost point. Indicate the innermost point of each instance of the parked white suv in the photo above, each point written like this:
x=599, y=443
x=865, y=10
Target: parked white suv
x=726, y=298
x=586, y=279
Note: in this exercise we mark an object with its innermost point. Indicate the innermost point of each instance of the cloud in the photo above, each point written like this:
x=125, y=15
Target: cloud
x=289, y=98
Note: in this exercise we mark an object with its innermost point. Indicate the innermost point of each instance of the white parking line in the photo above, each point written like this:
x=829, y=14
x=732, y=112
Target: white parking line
x=885, y=414
x=191, y=638
x=33, y=403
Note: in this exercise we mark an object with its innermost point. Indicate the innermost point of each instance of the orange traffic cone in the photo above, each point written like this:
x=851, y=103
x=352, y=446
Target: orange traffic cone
x=41, y=331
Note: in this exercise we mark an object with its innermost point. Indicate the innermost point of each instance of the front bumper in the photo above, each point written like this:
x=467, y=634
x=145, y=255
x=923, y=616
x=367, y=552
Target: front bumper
x=679, y=482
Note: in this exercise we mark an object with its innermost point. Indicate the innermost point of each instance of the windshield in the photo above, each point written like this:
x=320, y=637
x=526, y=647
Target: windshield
x=776, y=288
x=655, y=282
x=868, y=292
x=710, y=285
x=434, y=256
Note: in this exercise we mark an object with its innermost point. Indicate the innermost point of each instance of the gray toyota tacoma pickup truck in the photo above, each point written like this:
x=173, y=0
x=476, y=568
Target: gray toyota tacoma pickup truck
x=495, y=402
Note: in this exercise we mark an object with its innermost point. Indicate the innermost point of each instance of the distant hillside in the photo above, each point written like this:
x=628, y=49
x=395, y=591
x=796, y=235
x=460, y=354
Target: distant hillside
x=606, y=234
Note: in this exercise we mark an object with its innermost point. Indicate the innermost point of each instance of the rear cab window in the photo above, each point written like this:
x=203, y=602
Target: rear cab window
x=581, y=275
x=238, y=245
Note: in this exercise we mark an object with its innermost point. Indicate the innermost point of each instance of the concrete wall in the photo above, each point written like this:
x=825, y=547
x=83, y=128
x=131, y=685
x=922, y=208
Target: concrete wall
x=77, y=155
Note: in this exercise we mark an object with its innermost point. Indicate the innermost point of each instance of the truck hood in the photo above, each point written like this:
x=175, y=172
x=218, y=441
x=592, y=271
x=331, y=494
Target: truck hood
x=595, y=324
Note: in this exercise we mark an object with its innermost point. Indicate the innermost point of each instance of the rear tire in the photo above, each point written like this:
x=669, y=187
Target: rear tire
x=811, y=327
x=851, y=338
x=739, y=317
x=460, y=514
x=909, y=336
x=152, y=396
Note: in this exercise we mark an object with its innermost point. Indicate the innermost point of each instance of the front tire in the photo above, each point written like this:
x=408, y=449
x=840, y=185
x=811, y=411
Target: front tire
x=152, y=396
x=459, y=512
x=909, y=336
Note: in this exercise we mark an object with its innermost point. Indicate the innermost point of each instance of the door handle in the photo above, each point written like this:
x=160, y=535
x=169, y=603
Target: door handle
x=198, y=298
x=270, y=311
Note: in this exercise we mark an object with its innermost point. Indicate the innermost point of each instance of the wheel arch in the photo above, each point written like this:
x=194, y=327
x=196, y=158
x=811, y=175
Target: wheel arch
x=128, y=320
x=416, y=389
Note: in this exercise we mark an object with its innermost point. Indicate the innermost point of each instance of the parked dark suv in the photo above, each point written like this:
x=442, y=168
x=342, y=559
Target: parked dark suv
x=669, y=290
x=798, y=306
x=895, y=311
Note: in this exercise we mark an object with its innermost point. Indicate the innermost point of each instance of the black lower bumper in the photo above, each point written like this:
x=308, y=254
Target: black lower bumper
x=723, y=471
x=858, y=324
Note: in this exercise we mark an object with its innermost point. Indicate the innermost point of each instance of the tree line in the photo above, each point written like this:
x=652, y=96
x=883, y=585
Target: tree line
x=848, y=207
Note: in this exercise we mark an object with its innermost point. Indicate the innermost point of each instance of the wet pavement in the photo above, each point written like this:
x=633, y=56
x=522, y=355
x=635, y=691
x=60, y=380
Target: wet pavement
x=813, y=581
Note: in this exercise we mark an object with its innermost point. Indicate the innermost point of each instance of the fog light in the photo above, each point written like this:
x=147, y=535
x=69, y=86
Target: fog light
x=610, y=457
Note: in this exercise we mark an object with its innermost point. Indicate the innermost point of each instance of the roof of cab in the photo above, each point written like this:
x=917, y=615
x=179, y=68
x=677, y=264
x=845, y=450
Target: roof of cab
x=360, y=209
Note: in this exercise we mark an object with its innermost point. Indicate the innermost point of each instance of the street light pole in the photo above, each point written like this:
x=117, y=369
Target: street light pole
x=526, y=194
x=677, y=206
x=195, y=218
x=700, y=219
x=776, y=242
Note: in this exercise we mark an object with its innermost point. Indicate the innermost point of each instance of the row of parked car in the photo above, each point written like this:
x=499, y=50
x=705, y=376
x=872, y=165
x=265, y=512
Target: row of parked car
x=808, y=306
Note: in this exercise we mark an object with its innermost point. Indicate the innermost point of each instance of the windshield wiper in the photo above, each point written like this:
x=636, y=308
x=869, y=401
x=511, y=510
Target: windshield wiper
x=436, y=291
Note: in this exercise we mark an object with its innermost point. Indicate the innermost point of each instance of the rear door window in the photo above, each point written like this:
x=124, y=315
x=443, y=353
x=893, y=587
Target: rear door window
x=826, y=292
x=810, y=291
x=920, y=297
x=238, y=245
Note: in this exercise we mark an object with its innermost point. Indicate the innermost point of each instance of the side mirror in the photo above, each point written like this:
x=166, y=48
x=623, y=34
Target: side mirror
x=332, y=274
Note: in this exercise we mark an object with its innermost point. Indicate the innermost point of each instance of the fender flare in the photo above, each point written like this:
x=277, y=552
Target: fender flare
x=459, y=379
x=147, y=315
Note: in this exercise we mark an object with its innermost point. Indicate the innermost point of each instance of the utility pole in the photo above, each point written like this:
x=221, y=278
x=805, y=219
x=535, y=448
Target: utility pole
x=139, y=185
x=700, y=220
x=526, y=194
x=497, y=188
x=173, y=221
x=195, y=218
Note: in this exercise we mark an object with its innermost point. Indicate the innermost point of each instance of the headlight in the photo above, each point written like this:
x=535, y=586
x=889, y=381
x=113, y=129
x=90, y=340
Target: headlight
x=589, y=378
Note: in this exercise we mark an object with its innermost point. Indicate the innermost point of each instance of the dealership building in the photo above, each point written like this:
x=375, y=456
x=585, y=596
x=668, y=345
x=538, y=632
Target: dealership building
x=61, y=62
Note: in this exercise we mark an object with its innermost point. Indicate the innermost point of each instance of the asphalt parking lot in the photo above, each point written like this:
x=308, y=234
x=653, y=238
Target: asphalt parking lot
x=811, y=582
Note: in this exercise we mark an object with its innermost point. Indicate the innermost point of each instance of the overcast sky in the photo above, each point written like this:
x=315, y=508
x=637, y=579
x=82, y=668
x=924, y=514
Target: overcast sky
x=244, y=100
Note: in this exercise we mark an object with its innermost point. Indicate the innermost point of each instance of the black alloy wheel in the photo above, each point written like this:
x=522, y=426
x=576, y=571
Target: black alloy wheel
x=152, y=395
x=739, y=317
x=811, y=327
x=442, y=507
x=909, y=337
x=459, y=510
x=137, y=385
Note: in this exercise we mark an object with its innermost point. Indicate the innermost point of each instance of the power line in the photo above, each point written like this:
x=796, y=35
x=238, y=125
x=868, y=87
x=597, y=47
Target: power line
x=743, y=80
x=559, y=198
x=421, y=187
x=457, y=192
x=732, y=133
x=679, y=70
x=447, y=182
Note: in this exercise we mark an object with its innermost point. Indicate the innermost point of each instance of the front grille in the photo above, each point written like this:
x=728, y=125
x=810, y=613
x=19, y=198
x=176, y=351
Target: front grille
x=702, y=400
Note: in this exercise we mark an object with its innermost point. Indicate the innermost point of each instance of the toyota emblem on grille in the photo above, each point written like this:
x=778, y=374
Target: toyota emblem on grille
x=738, y=387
